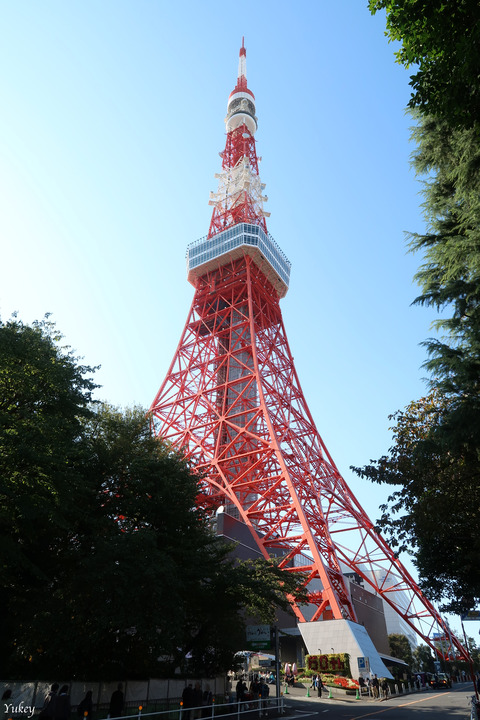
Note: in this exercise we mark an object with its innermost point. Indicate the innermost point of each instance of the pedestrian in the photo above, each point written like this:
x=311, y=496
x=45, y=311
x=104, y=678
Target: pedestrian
x=49, y=705
x=207, y=699
x=7, y=695
x=255, y=687
x=62, y=707
x=264, y=693
x=241, y=690
x=117, y=702
x=85, y=706
x=375, y=687
x=320, y=685
x=187, y=700
x=197, y=700
x=384, y=688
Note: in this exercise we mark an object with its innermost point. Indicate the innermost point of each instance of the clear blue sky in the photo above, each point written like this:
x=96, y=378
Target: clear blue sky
x=111, y=125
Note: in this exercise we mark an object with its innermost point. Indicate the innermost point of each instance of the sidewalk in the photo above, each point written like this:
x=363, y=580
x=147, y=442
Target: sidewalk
x=300, y=693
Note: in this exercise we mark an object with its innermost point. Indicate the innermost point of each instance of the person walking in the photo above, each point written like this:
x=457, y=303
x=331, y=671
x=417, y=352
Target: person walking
x=49, y=706
x=264, y=693
x=207, y=699
x=62, y=707
x=187, y=701
x=241, y=690
x=320, y=685
x=197, y=700
x=384, y=688
x=7, y=695
x=117, y=702
x=85, y=706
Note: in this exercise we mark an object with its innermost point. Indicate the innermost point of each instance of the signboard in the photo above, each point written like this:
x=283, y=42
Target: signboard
x=363, y=664
x=258, y=637
x=471, y=615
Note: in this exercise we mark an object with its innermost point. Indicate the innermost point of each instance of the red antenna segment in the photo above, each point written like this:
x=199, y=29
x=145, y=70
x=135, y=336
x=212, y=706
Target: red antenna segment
x=239, y=197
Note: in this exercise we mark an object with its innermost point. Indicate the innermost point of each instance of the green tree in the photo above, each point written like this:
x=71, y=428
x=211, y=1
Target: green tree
x=423, y=659
x=474, y=651
x=44, y=397
x=400, y=648
x=435, y=456
x=433, y=511
x=449, y=277
x=442, y=40
x=434, y=459
x=109, y=566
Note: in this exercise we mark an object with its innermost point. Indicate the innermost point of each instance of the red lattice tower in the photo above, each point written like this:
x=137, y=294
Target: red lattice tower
x=232, y=400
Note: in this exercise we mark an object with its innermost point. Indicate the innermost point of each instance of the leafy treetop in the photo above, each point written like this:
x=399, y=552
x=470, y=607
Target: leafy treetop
x=442, y=39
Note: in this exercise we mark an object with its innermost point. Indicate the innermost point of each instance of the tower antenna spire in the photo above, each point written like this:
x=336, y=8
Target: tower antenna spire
x=239, y=196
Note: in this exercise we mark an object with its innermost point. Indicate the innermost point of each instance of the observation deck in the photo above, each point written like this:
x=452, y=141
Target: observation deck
x=208, y=254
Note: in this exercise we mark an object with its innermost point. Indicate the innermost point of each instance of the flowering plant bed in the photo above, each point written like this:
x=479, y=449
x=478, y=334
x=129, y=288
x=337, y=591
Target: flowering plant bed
x=331, y=680
x=337, y=663
x=346, y=683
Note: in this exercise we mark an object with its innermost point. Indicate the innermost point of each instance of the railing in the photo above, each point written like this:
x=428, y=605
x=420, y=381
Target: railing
x=205, y=249
x=246, y=710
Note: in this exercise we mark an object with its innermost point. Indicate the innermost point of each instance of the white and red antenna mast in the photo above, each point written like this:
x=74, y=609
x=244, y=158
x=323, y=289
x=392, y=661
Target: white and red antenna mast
x=239, y=195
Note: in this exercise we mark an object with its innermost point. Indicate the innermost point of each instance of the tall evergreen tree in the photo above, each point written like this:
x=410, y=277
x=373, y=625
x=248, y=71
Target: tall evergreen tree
x=434, y=461
x=449, y=277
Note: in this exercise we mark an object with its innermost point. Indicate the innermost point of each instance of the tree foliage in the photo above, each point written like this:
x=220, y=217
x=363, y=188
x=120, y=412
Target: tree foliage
x=442, y=40
x=433, y=463
x=400, y=648
x=44, y=396
x=433, y=511
x=109, y=568
x=449, y=277
x=474, y=651
x=423, y=660
x=435, y=458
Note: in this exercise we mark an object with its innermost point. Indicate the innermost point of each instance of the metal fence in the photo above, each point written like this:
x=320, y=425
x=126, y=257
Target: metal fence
x=245, y=710
x=168, y=709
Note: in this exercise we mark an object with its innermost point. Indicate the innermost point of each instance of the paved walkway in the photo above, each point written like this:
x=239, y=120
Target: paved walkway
x=300, y=693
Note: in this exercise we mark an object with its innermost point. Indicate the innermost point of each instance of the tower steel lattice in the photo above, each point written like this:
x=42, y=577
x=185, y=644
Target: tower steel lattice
x=233, y=401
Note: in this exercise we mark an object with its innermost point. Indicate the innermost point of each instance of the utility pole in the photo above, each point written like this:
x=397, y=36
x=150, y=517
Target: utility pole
x=277, y=661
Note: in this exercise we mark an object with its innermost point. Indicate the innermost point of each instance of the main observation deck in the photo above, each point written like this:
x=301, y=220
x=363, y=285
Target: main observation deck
x=208, y=254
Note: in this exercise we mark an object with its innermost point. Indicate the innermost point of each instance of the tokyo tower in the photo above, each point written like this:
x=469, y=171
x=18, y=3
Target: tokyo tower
x=233, y=402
